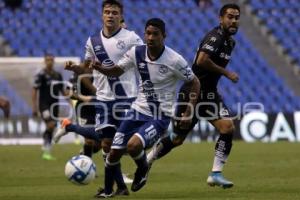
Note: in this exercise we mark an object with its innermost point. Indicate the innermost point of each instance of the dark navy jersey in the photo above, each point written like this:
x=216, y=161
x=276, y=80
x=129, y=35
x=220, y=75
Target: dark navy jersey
x=218, y=46
x=49, y=86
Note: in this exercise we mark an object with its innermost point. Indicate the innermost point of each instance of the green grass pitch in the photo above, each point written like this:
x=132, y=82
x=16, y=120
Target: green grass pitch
x=259, y=171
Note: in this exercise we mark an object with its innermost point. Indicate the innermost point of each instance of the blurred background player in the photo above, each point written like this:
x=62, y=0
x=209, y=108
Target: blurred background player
x=83, y=93
x=47, y=87
x=5, y=106
x=212, y=57
x=107, y=46
x=159, y=68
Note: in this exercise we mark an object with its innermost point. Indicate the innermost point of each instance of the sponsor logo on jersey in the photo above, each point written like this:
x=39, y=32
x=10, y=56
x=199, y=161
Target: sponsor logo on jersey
x=225, y=56
x=213, y=39
x=208, y=47
x=107, y=62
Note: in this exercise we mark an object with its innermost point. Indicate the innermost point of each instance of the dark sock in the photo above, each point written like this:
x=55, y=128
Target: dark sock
x=141, y=161
x=47, y=137
x=119, y=178
x=88, y=150
x=108, y=179
x=113, y=173
x=87, y=132
x=167, y=146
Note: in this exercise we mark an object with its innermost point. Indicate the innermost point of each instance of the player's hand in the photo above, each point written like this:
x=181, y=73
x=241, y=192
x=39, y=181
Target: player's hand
x=234, y=77
x=34, y=113
x=96, y=65
x=69, y=65
x=185, y=121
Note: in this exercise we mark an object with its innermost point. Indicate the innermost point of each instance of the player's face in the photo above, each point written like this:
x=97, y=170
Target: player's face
x=49, y=61
x=111, y=16
x=230, y=21
x=154, y=37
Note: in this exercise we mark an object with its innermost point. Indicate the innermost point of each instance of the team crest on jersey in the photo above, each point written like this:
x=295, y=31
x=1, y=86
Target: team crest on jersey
x=213, y=39
x=163, y=69
x=121, y=44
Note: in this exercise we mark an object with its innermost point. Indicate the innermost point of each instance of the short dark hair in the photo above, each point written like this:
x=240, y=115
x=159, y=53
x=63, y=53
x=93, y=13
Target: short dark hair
x=112, y=2
x=227, y=6
x=158, y=23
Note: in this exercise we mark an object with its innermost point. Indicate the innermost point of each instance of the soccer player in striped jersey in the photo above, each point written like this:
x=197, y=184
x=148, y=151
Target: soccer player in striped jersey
x=114, y=94
x=159, y=69
x=212, y=57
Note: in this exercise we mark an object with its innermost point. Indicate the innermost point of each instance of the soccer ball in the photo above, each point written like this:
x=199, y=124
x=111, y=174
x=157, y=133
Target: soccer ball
x=80, y=170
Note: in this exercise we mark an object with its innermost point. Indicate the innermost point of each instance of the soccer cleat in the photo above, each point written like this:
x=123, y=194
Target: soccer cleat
x=122, y=192
x=216, y=178
x=61, y=131
x=126, y=179
x=48, y=156
x=101, y=194
x=140, y=178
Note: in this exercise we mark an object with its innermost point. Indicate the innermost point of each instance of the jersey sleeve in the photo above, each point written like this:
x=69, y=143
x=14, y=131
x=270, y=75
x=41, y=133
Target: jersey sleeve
x=89, y=52
x=37, y=81
x=182, y=70
x=128, y=60
x=136, y=40
x=211, y=44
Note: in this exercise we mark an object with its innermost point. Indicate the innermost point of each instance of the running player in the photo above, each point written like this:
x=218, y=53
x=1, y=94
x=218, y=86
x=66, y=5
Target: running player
x=212, y=57
x=160, y=68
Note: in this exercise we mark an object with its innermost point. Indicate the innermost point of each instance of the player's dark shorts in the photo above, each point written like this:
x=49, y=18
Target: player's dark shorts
x=49, y=112
x=109, y=115
x=210, y=106
x=86, y=112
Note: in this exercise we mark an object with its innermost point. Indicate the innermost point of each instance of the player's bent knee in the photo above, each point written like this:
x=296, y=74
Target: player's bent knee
x=227, y=128
x=106, y=145
x=177, y=141
x=89, y=142
x=134, y=145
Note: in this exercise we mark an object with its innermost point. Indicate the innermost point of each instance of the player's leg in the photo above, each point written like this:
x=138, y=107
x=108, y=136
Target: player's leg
x=222, y=150
x=47, y=116
x=146, y=136
x=112, y=164
x=177, y=137
x=67, y=126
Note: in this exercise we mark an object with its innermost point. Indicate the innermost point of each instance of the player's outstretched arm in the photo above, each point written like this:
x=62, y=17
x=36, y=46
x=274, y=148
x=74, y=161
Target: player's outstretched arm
x=206, y=63
x=108, y=71
x=194, y=88
x=78, y=69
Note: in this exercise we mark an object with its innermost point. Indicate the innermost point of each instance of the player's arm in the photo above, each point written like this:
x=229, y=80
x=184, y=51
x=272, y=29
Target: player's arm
x=204, y=62
x=125, y=63
x=88, y=84
x=34, y=95
x=78, y=68
x=114, y=70
x=194, y=88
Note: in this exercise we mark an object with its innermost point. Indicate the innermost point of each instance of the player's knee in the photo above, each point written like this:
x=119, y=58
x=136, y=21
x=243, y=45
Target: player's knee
x=89, y=142
x=114, y=156
x=227, y=128
x=134, y=145
x=106, y=145
x=177, y=141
